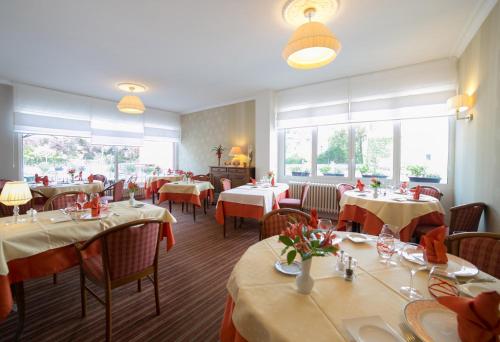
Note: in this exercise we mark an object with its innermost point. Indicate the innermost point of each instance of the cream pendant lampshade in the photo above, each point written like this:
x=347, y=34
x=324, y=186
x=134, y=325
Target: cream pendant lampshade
x=131, y=104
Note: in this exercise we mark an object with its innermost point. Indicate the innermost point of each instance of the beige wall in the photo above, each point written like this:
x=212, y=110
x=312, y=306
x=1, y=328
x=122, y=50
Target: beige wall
x=232, y=125
x=477, y=154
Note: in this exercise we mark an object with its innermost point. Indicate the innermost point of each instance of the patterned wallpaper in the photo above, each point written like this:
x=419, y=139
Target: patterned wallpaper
x=232, y=125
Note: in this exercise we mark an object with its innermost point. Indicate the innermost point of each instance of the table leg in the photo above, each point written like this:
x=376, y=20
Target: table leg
x=224, y=231
x=170, y=206
x=153, y=195
x=194, y=213
x=21, y=308
x=235, y=222
x=205, y=205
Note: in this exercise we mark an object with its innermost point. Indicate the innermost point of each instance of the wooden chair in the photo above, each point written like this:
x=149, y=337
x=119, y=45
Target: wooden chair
x=339, y=192
x=129, y=252
x=207, y=199
x=430, y=191
x=226, y=184
x=154, y=191
x=101, y=178
x=275, y=221
x=62, y=200
x=463, y=218
x=38, y=200
x=481, y=249
x=203, y=178
x=296, y=203
x=114, y=192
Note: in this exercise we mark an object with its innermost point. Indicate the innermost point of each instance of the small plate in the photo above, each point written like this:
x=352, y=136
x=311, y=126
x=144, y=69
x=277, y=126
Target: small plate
x=89, y=217
x=138, y=205
x=293, y=269
x=357, y=238
x=473, y=289
x=431, y=321
x=361, y=194
x=360, y=191
x=417, y=200
x=371, y=329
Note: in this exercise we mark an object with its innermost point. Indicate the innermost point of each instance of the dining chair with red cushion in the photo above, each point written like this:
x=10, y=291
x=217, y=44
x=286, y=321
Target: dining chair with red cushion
x=203, y=178
x=481, y=249
x=226, y=184
x=429, y=191
x=154, y=190
x=129, y=252
x=38, y=200
x=114, y=192
x=61, y=201
x=296, y=203
x=277, y=220
x=101, y=178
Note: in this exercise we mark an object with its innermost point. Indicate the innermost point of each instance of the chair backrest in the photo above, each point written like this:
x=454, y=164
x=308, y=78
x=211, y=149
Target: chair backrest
x=465, y=218
x=118, y=190
x=303, y=194
x=481, y=249
x=343, y=187
x=430, y=191
x=226, y=184
x=101, y=178
x=62, y=200
x=277, y=220
x=204, y=178
x=154, y=186
x=161, y=182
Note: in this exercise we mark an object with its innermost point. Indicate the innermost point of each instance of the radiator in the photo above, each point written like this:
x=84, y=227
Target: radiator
x=321, y=196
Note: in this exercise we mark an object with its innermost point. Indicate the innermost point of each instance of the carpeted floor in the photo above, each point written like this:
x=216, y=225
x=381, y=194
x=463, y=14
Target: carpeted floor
x=193, y=278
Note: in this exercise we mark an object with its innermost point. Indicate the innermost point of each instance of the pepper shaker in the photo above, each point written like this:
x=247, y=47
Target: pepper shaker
x=340, y=262
x=349, y=272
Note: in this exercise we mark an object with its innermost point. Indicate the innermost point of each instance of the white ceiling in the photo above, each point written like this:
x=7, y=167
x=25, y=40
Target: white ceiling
x=201, y=53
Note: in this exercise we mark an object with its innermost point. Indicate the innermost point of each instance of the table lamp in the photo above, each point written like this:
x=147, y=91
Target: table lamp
x=15, y=194
x=235, y=153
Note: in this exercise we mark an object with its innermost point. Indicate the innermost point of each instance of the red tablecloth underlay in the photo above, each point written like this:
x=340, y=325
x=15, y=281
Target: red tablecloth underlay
x=186, y=198
x=228, y=332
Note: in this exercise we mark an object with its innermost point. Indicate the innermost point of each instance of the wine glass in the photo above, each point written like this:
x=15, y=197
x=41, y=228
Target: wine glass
x=386, y=245
x=80, y=200
x=442, y=283
x=325, y=224
x=413, y=258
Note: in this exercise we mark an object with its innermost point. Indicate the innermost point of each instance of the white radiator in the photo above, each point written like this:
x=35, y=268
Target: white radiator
x=321, y=196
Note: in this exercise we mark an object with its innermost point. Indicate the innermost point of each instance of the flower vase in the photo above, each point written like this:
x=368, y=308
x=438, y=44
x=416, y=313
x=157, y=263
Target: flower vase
x=304, y=281
x=72, y=178
x=131, y=199
x=375, y=192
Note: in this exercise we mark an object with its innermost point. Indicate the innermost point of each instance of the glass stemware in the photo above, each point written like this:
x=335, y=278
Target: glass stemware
x=386, y=245
x=442, y=283
x=413, y=258
x=80, y=200
x=325, y=224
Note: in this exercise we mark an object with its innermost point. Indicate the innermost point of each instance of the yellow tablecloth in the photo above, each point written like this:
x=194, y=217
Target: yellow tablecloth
x=55, y=189
x=391, y=211
x=29, y=238
x=269, y=308
x=171, y=178
x=190, y=188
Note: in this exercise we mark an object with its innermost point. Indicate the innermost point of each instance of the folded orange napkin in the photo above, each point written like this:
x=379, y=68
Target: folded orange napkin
x=95, y=206
x=91, y=178
x=478, y=319
x=360, y=185
x=416, y=194
x=435, y=249
x=254, y=182
x=314, y=218
x=45, y=181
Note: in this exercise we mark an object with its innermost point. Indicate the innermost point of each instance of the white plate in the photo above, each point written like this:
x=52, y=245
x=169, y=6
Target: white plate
x=371, y=329
x=431, y=321
x=458, y=266
x=292, y=269
x=359, y=191
x=411, y=199
x=89, y=217
x=358, y=238
x=138, y=205
x=473, y=289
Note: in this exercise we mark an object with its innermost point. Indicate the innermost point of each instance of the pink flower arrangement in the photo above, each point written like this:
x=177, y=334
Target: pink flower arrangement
x=307, y=241
x=375, y=183
x=71, y=171
x=270, y=174
x=180, y=172
x=189, y=174
x=132, y=187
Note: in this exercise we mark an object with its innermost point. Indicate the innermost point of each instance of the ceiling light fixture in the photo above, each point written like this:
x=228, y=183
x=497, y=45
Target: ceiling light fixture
x=312, y=45
x=131, y=104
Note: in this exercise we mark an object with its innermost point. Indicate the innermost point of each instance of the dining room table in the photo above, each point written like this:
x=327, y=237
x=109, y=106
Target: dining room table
x=154, y=178
x=43, y=244
x=55, y=188
x=263, y=304
x=249, y=201
x=400, y=212
x=193, y=192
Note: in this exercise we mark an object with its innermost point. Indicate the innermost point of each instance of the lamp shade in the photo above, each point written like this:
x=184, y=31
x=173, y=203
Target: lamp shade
x=131, y=104
x=15, y=193
x=460, y=103
x=311, y=46
x=235, y=150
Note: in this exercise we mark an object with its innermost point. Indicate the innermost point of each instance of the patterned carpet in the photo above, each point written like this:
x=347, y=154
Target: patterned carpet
x=193, y=277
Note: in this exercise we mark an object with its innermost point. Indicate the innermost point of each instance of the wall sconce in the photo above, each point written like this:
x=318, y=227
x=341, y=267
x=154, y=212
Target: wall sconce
x=461, y=103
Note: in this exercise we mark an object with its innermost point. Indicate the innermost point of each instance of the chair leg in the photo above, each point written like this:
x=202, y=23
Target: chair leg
x=153, y=198
x=235, y=222
x=83, y=294
x=157, y=293
x=170, y=206
x=224, y=229
x=54, y=278
x=194, y=213
x=108, y=314
x=139, y=285
x=205, y=204
x=21, y=308
x=182, y=206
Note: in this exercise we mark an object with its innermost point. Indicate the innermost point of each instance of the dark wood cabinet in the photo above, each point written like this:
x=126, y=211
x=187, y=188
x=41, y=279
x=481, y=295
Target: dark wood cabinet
x=237, y=175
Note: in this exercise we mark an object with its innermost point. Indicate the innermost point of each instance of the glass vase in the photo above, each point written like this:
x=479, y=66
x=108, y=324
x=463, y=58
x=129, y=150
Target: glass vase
x=304, y=281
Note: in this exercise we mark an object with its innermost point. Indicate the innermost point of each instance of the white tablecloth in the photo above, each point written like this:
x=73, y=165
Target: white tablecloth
x=263, y=196
x=29, y=238
x=386, y=208
x=170, y=178
x=191, y=188
x=51, y=190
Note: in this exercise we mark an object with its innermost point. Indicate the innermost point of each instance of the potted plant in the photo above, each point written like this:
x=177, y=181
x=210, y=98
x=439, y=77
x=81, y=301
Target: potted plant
x=299, y=172
x=307, y=242
x=375, y=185
x=366, y=172
x=218, y=152
x=419, y=174
x=337, y=172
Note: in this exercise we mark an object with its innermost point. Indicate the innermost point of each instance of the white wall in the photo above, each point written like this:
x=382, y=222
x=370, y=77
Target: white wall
x=477, y=153
x=266, y=140
x=9, y=162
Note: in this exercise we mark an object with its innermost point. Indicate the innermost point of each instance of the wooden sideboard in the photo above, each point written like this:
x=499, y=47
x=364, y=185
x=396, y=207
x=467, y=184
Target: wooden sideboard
x=237, y=175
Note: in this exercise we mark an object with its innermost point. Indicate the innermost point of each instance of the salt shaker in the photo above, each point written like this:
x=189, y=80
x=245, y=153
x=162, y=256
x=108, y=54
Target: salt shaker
x=340, y=262
x=32, y=213
x=349, y=271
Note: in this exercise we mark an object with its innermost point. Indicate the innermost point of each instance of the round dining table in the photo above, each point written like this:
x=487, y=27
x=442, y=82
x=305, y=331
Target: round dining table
x=264, y=304
x=401, y=212
x=56, y=188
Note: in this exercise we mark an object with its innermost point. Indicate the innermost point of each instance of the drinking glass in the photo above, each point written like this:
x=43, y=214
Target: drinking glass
x=80, y=200
x=325, y=224
x=386, y=245
x=413, y=258
x=442, y=283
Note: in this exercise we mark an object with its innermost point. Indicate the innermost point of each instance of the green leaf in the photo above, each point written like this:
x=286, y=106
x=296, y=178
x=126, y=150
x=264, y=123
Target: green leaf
x=286, y=240
x=290, y=257
x=315, y=243
x=283, y=251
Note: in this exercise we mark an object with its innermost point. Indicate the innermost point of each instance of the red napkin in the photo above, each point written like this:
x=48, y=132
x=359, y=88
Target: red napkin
x=38, y=179
x=87, y=205
x=91, y=178
x=360, y=185
x=272, y=182
x=45, y=181
x=314, y=218
x=95, y=206
x=416, y=194
x=478, y=319
x=254, y=182
x=435, y=249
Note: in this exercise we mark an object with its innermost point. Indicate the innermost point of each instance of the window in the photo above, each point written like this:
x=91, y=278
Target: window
x=54, y=155
x=424, y=150
x=298, y=153
x=333, y=151
x=373, y=149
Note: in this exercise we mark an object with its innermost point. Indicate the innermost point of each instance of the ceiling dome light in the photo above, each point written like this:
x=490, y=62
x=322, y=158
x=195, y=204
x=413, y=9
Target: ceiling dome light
x=131, y=104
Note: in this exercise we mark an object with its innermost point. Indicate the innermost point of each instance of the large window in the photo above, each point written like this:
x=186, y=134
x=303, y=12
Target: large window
x=54, y=155
x=333, y=151
x=373, y=149
x=298, y=153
